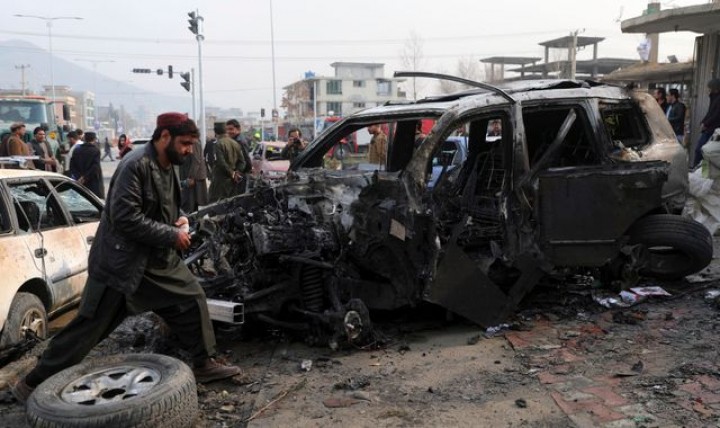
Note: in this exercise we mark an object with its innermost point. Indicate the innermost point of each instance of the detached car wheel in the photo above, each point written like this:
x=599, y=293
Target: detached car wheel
x=131, y=390
x=26, y=313
x=676, y=246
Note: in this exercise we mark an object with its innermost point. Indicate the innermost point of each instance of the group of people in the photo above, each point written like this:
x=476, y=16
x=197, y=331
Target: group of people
x=134, y=262
x=675, y=111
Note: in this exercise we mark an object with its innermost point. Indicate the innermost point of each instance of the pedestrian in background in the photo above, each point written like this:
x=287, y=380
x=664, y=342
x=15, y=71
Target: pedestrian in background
x=377, y=150
x=209, y=155
x=124, y=145
x=711, y=119
x=193, y=180
x=676, y=114
x=229, y=163
x=134, y=264
x=661, y=98
x=40, y=147
x=108, y=150
x=233, y=129
x=85, y=165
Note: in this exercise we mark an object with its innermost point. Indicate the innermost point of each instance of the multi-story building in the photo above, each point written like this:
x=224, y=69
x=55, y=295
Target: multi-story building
x=354, y=86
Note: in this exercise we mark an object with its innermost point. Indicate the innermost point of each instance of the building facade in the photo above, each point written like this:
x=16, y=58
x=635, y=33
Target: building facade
x=354, y=86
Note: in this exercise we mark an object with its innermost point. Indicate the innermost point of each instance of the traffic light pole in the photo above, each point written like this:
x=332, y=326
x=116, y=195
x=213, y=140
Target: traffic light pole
x=203, y=127
x=192, y=85
x=195, y=27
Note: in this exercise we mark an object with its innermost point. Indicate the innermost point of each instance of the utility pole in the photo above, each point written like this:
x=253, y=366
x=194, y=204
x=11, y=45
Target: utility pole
x=195, y=21
x=275, y=115
x=23, y=82
x=572, y=54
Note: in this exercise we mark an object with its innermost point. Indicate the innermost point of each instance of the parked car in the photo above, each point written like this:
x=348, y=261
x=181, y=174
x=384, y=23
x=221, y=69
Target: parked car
x=584, y=177
x=268, y=162
x=47, y=223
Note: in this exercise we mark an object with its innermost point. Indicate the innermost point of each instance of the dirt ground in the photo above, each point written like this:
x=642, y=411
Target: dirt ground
x=564, y=361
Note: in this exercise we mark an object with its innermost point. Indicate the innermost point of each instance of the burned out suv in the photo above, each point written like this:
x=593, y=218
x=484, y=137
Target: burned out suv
x=558, y=176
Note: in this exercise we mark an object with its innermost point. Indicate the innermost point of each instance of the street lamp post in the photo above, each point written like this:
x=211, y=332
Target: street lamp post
x=49, y=21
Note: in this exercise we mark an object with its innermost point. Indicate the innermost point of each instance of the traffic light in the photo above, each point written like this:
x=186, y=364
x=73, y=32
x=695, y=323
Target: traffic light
x=262, y=112
x=186, y=83
x=170, y=72
x=193, y=21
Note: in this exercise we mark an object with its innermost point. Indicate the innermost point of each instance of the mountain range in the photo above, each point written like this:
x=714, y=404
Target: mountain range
x=15, y=53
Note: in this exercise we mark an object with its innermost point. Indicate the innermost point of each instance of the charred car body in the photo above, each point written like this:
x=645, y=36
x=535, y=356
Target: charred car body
x=577, y=175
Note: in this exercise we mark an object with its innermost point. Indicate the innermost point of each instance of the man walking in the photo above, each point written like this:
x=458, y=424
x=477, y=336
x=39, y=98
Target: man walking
x=229, y=164
x=85, y=165
x=711, y=119
x=676, y=114
x=134, y=264
x=108, y=150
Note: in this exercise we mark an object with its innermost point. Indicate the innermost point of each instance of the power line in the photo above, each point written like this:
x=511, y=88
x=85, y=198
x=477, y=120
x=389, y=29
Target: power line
x=309, y=42
x=263, y=57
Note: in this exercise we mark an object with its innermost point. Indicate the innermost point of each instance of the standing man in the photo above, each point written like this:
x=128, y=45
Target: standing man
x=134, y=264
x=15, y=144
x=209, y=154
x=193, y=180
x=676, y=114
x=711, y=119
x=377, y=152
x=294, y=146
x=85, y=165
x=75, y=142
x=41, y=147
x=661, y=98
x=232, y=127
x=229, y=164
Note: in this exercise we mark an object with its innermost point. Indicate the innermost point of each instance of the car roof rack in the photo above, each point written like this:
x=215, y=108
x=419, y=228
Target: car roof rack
x=468, y=82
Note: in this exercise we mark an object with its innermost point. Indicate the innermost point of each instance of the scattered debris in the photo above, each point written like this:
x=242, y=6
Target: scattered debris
x=626, y=298
x=298, y=386
x=339, y=402
x=306, y=365
x=403, y=349
x=712, y=294
x=353, y=383
x=495, y=330
x=521, y=403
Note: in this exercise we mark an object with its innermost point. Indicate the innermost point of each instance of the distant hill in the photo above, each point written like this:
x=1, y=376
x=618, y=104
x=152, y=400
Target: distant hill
x=68, y=73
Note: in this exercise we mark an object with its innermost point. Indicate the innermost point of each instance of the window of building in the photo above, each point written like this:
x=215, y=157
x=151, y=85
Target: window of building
x=335, y=108
x=383, y=87
x=334, y=87
x=359, y=105
x=358, y=83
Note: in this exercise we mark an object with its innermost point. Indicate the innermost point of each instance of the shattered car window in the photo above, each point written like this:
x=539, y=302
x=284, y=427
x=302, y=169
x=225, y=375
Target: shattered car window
x=81, y=208
x=4, y=217
x=543, y=126
x=624, y=124
x=36, y=206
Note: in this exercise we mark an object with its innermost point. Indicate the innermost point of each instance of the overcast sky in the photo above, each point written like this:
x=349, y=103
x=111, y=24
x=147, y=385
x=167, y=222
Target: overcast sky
x=311, y=34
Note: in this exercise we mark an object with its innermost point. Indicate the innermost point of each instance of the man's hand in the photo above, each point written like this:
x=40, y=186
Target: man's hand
x=182, y=242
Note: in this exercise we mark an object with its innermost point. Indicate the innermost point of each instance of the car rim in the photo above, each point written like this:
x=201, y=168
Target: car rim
x=35, y=322
x=110, y=385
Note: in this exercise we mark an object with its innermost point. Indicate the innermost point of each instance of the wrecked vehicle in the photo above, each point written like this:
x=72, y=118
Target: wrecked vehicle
x=576, y=176
x=47, y=223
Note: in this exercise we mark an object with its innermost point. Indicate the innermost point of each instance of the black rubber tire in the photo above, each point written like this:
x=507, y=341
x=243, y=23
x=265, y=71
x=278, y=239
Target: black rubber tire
x=677, y=246
x=23, y=307
x=171, y=402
